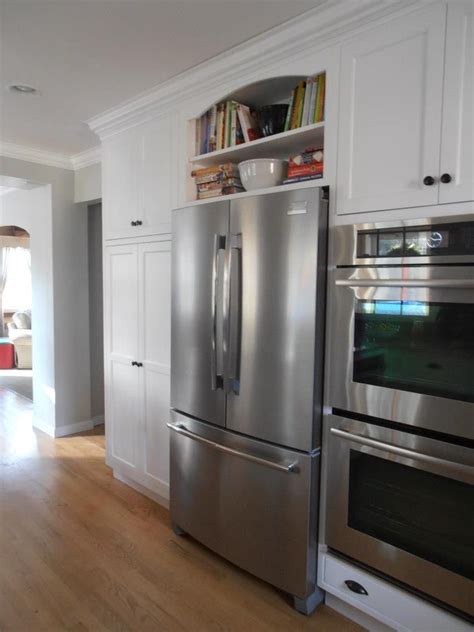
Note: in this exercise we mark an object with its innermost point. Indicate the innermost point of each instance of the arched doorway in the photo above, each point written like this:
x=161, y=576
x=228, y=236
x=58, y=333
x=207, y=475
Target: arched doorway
x=16, y=310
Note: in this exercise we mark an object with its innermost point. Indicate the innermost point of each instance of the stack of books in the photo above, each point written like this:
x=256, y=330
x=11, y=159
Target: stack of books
x=225, y=125
x=218, y=180
x=307, y=103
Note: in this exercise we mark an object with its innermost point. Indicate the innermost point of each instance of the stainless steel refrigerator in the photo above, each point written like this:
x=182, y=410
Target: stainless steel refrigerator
x=248, y=294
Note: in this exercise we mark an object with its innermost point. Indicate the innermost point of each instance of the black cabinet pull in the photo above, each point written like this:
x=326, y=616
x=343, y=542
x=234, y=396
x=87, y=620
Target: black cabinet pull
x=445, y=178
x=133, y=363
x=139, y=364
x=428, y=180
x=133, y=223
x=355, y=587
x=138, y=222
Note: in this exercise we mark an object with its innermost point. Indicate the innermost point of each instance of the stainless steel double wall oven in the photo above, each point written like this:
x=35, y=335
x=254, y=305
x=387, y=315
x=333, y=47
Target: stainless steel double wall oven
x=401, y=434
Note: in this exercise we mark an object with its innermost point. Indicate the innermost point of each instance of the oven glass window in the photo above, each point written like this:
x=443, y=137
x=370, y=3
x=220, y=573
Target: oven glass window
x=425, y=348
x=422, y=513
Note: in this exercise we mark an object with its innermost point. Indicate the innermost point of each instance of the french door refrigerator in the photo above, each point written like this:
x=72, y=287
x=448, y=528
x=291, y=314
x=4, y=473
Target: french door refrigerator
x=248, y=294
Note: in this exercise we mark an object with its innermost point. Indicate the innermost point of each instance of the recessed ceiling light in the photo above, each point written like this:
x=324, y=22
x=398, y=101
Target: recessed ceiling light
x=22, y=88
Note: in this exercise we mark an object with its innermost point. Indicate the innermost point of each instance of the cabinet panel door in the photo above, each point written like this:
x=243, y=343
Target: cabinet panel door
x=123, y=427
x=390, y=114
x=121, y=291
x=457, y=139
x=155, y=319
x=120, y=166
x=158, y=177
x=121, y=348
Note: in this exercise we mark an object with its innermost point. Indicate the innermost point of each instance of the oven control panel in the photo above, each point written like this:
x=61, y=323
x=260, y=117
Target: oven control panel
x=442, y=239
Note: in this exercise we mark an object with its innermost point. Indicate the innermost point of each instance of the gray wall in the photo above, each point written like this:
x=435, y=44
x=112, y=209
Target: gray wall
x=69, y=291
x=96, y=335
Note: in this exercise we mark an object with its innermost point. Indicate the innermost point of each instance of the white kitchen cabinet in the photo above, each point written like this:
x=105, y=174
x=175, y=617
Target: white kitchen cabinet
x=390, y=96
x=158, y=174
x=121, y=315
x=457, y=138
x=140, y=179
x=137, y=360
x=120, y=184
x=155, y=333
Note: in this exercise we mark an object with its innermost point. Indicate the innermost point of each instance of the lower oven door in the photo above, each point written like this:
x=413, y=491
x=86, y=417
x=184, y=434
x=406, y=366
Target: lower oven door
x=403, y=505
x=403, y=345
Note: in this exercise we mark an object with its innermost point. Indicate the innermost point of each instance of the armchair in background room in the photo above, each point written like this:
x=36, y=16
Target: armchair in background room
x=19, y=332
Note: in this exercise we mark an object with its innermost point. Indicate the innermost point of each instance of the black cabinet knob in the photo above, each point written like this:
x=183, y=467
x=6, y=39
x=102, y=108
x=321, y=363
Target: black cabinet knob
x=355, y=587
x=133, y=223
x=139, y=364
x=138, y=222
x=133, y=363
x=445, y=178
x=428, y=180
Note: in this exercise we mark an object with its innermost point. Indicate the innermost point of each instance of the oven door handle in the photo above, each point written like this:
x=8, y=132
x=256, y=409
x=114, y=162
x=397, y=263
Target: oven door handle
x=405, y=452
x=450, y=284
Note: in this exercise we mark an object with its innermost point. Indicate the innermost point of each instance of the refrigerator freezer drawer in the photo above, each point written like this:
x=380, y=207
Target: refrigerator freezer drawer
x=246, y=500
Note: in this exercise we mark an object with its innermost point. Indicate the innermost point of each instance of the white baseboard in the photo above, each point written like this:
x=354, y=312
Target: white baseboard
x=70, y=429
x=98, y=420
x=44, y=426
x=164, y=502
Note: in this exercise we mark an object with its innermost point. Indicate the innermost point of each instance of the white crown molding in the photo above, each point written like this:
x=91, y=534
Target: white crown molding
x=49, y=158
x=328, y=24
x=32, y=154
x=86, y=158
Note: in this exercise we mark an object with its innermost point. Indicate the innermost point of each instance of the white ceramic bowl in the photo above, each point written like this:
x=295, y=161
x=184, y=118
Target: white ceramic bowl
x=262, y=173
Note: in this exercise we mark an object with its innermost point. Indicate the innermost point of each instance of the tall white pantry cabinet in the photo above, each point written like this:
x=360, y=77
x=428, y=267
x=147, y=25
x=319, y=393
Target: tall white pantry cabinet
x=398, y=134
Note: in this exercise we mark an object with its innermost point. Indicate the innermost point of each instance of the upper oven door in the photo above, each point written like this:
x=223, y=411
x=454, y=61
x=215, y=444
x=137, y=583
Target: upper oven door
x=403, y=345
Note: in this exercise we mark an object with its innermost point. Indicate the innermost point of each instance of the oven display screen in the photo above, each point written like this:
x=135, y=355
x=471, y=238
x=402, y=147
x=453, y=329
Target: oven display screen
x=421, y=347
x=441, y=240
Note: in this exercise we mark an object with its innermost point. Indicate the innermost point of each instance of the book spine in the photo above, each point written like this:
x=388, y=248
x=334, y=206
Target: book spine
x=312, y=102
x=197, y=130
x=316, y=93
x=233, y=125
x=243, y=121
x=299, y=105
x=229, y=125
x=294, y=108
x=213, y=128
x=290, y=110
x=307, y=95
x=226, y=124
x=321, y=98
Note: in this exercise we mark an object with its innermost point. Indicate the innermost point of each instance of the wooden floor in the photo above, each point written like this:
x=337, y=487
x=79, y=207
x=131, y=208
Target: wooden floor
x=81, y=551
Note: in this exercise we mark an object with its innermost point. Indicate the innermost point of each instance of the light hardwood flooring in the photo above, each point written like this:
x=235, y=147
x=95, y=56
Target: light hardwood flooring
x=81, y=551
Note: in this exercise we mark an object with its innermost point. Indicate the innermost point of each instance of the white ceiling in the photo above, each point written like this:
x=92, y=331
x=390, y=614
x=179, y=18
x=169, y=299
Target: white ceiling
x=87, y=56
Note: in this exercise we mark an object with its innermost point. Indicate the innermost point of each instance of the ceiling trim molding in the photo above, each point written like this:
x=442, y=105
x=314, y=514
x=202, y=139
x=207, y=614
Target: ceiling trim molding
x=86, y=158
x=32, y=154
x=328, y=24
x=51, y=159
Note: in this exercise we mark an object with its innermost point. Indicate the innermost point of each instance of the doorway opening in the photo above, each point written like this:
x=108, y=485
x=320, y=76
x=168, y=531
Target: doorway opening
x=16, y=368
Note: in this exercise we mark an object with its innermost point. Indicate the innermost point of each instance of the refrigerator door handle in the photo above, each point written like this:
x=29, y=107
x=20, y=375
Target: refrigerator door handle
x=234, y=324
x=282, y=467
x=218, y=244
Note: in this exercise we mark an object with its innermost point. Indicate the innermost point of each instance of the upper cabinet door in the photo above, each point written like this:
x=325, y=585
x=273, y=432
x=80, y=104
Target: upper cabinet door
x=391, y=85
x=158, y=174
x=120, y=186
x=457, y=140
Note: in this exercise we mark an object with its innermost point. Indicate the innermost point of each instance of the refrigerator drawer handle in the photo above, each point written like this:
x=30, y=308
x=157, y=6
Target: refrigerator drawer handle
x=434, y=283
x=292, y=467
x=405, y=452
